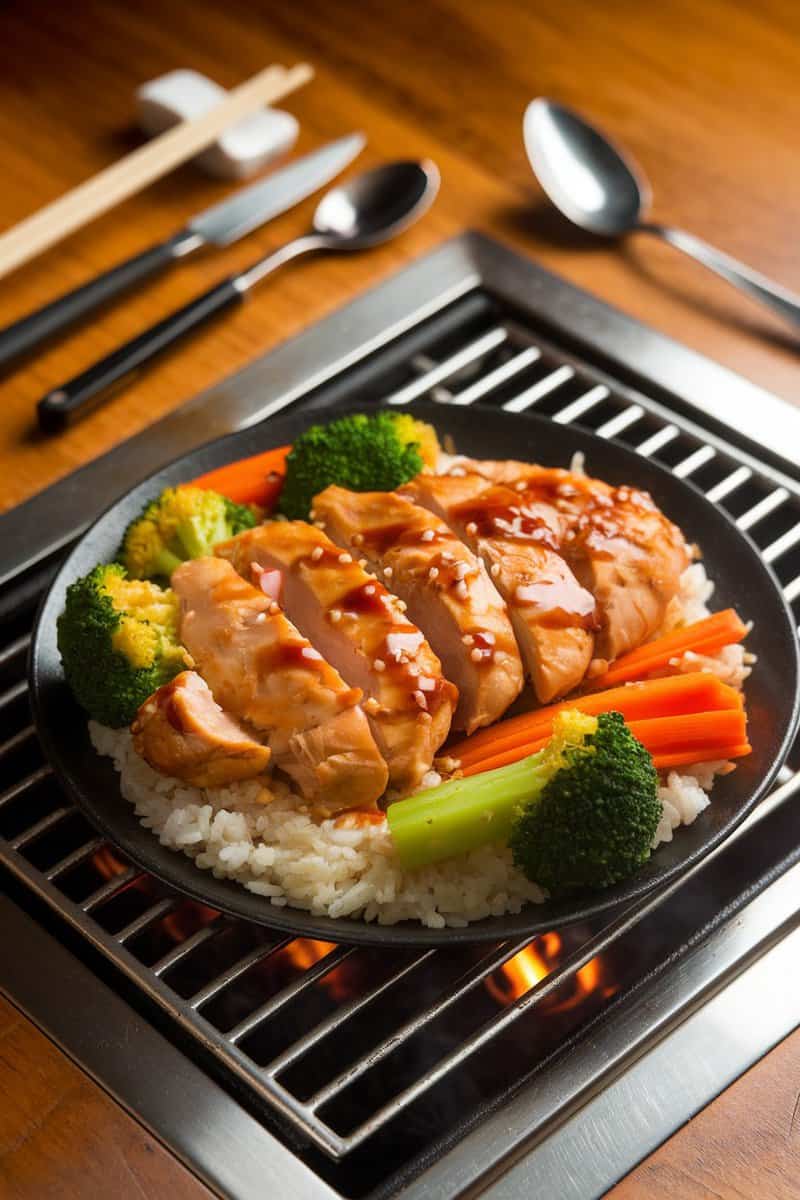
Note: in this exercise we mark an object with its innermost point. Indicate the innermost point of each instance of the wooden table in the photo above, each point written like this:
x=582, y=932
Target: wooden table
x=704, y=94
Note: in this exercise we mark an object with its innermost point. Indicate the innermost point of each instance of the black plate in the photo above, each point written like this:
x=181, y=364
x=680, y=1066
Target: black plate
x=742, y=580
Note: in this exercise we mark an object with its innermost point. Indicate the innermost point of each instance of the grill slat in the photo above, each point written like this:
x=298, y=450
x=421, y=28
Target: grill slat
x=24, y=785
x=763, y=509
x=538, y=391
x=110, y=888
x=473, y=977
x=575, y=410
x=329, y=962
x=27, y=734
x=729, y=485
x=775, y=549
x=147, y=918
x=34, y=831
x=621, y=422
x=693, y=463
x=75, y=858
x=344, y=1013
x=658, y=440
x=13, y=693
x=501, y=374
x=225, y=979
x=469, y=354
x=184, y=949
x=15, y=649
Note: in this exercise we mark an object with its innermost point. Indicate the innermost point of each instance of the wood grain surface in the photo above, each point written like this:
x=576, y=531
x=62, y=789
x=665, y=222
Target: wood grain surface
x=704, y=95
x=62, y=1137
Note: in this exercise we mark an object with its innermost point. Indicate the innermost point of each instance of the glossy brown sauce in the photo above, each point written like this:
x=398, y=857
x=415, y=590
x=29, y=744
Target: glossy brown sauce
x=559, y=603
x=502, y=515
x=399, y=533
x=370, y=597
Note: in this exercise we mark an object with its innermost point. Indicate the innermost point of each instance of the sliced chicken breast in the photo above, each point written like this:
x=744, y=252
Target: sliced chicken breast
x=360, y=629
x=445, y=589
x=616, y=540
x=262, y=670
x=553, y=616
x=181, y=731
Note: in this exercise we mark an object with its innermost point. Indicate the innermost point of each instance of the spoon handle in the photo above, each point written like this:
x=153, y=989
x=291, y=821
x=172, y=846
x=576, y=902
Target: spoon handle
x=781, y=300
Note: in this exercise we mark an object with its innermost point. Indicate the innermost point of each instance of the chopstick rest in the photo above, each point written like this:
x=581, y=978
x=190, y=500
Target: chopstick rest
x=240, y=151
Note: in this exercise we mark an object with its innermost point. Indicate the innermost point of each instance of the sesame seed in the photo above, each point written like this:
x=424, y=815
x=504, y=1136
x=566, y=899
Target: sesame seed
x=362, y=562
x=316, y=553
x=345, y=558
x=420, y=699
x=401, y=604
x=472, y=528
x=476, y=655
x=425, y=718
x=468, y=639
x=369, y=590
x=274, y=608
x=261, y=618
x=335, y=615
x=379, y=664
x=457, y=472
x=413, y=670
x=461, y=570
x=387, y=572
x=319, y=524
x=427, y=535
x=446, y=556
x=520, y=485
x=433, y=573
x=371, y=706
x=313, y=514
x=494, y=570
x=357, y=539
x=461, y=590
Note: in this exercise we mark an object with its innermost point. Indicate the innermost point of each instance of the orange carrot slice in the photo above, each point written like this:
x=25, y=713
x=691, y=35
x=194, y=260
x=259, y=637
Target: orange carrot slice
x=703, y=637
x=697, y=691
x=255, y=480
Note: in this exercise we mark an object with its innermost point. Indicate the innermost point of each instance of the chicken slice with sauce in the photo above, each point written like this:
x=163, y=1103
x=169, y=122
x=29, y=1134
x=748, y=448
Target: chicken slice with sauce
x=360, y=629
x=262, y=670
x=445, y=589
x=181, y=731
x=619, y=544
x=552, y=615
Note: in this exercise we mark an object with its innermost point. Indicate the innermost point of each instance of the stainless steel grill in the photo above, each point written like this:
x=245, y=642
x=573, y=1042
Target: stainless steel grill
x=369, y=1066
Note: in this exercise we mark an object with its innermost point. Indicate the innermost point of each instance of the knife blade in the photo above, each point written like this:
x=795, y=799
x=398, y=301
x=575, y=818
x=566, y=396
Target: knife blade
x=225, y=223
x=220, y=225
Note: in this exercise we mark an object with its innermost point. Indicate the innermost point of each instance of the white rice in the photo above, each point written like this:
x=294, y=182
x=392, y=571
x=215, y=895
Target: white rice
x=261, y=835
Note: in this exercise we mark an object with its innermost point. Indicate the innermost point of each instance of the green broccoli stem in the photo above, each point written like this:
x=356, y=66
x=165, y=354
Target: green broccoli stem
x=463, y=814
x=165, y=563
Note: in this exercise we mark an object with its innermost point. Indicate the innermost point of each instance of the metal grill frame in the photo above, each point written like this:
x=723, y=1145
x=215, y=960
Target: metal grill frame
x=627, y=361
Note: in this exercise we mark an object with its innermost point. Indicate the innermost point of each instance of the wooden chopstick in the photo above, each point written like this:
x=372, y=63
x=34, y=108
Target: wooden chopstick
x=143, y=166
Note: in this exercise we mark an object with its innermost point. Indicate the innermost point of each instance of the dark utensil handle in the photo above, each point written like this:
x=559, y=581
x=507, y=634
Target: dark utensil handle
x=86, y=391
x=38, y=327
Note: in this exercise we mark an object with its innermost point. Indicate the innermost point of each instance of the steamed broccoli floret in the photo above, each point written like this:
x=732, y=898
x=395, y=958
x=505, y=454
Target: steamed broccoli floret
x=118, y=640
x=582, y=813
x=364, y=453
x=593, y=822
x=182, y=523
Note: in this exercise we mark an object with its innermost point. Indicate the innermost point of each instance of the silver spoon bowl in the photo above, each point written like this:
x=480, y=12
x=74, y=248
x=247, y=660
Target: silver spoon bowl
x=598, y=187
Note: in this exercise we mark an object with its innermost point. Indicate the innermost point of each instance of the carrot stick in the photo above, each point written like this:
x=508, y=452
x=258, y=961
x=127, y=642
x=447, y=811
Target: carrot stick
x=703, y=637
x=697, y=691
x=685, y=758
x=254, y=480
x=694, y=737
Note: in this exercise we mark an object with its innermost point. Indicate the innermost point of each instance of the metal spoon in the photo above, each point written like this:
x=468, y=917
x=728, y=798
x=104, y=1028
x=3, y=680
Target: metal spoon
x=597, y=187
x=366, y=210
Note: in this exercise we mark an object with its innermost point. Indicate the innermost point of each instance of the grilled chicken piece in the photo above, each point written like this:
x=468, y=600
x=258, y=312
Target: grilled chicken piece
x=445, y=588
x=261, y=669
x=619, y=544
x=181, y=731
x=360, y=629
x=552, y=615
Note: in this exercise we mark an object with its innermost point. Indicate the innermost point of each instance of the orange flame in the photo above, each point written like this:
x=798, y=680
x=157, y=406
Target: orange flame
x=522, y=972
x=303, y=953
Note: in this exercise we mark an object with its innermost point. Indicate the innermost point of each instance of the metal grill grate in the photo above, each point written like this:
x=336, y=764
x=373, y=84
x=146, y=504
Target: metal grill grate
x=370, y=1059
